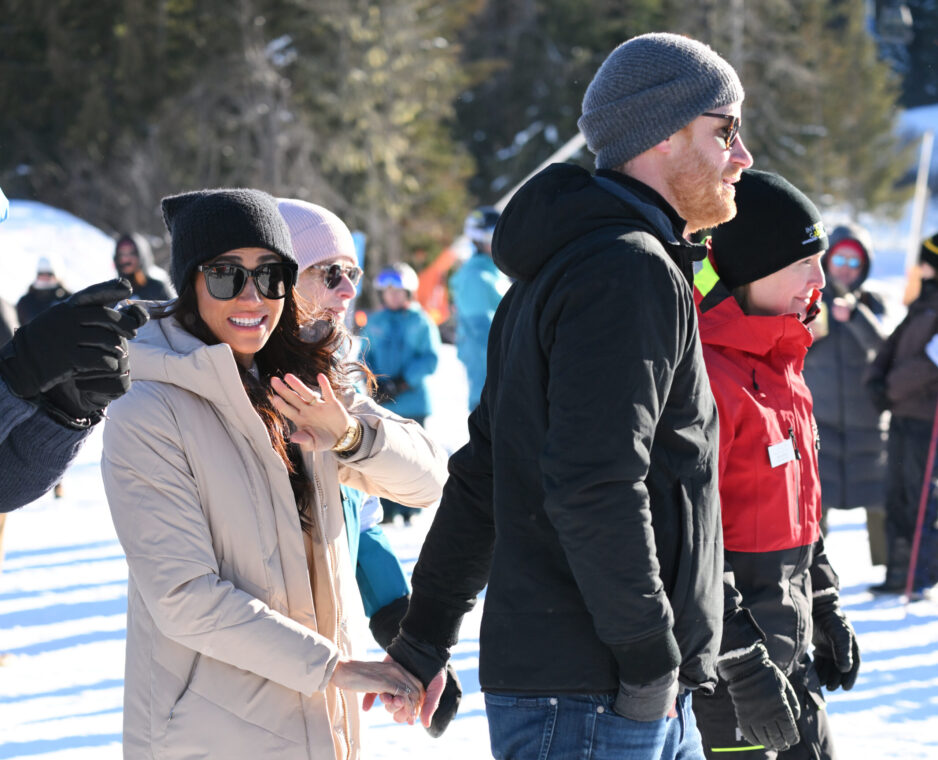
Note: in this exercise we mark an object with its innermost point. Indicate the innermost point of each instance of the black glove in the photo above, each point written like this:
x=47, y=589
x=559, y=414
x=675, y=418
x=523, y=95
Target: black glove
x=836, y=651
x=385, y=625
x=80, y=336
x=389, y=388
x=765, y=703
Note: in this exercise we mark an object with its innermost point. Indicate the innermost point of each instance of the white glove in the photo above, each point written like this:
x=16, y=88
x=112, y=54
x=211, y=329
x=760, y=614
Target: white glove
x=931, y=349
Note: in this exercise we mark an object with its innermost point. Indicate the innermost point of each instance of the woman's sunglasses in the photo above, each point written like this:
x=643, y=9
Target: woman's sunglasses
x=226, y=281
x=332, y=274
x=730, y=131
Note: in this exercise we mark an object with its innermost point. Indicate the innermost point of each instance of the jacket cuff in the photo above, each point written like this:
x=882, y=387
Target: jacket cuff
x=740, y=631
x=641, y=662
x=431, y=621
x=369, y=434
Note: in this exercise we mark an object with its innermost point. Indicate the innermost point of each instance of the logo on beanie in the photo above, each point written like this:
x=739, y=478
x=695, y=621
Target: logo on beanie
x=814, y=232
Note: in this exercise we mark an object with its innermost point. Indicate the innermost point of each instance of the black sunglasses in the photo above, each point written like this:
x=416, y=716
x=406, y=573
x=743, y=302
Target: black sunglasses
x=332, y=274
x=226, y=281
x=731, y=131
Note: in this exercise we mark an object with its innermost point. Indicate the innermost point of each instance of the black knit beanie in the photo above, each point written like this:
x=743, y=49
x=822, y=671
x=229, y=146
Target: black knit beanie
x=775, y=225
x=929, y=251
x=207, y=223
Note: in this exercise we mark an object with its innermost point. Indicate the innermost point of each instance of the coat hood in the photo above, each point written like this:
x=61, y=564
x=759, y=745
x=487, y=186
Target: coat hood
x=560, y=205
x=861, y=237
x=144, y=251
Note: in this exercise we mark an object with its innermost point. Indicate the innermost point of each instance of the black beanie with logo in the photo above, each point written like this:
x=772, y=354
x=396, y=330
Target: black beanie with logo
x=775, y=225
x=929, y=251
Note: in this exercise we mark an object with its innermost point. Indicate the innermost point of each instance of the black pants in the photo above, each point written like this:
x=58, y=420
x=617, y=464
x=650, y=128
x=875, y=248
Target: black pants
x=909, y=441
x=716, y=720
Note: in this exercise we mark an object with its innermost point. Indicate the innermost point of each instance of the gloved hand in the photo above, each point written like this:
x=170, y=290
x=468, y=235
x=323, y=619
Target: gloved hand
x=81, y=335
x=650, y=701
x=836, y=651
x=389, y=388
x=385, y=625
x=72, y=358
x=765, y=703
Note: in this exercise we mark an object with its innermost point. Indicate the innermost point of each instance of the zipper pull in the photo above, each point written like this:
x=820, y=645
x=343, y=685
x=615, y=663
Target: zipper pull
x=794, y=443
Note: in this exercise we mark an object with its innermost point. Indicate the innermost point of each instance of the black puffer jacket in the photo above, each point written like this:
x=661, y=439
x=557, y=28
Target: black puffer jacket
x=902, y=378
x=852, y=430
x=587, y=495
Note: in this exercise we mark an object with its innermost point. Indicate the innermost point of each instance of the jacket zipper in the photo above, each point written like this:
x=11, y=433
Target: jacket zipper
x=794, y=443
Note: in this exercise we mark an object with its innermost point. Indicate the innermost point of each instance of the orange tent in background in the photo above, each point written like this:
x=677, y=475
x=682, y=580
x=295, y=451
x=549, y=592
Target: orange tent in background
x=432, y=292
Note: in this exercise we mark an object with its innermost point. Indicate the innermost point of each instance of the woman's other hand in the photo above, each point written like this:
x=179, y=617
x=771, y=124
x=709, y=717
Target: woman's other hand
x=320, y=418
x=400, y=691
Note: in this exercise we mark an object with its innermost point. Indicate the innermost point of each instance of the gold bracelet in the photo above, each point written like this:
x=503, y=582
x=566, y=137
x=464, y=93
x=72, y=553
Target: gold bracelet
x=351, y=440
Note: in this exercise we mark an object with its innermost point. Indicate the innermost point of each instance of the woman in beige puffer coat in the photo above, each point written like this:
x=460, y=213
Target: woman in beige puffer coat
x=240, y=586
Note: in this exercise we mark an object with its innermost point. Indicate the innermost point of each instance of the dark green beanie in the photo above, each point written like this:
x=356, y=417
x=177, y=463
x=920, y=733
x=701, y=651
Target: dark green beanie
x=775, y=225
x=207, y=223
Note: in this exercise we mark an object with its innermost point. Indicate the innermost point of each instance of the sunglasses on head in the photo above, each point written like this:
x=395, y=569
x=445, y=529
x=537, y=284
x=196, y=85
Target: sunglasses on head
x=332, y=274
x=730, y=131
x=839, y=260
x=226, y=281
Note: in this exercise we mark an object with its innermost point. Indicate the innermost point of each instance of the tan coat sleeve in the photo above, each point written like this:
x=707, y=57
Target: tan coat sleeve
x=397, y=459
x=154, y=502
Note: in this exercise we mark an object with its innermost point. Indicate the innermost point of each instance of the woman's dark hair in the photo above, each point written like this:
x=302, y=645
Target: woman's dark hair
x=300, y=344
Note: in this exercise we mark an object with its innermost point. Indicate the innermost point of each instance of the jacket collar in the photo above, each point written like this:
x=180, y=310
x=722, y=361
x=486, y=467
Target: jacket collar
x=723, y=322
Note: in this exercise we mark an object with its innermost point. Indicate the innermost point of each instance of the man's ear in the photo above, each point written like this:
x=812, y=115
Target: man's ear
x=666, y=146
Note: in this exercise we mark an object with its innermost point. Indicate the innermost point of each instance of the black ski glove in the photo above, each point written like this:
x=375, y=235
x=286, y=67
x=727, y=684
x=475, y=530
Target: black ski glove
x=765, y=703
x=385, y=625
x=82, y=336
x=836, y=651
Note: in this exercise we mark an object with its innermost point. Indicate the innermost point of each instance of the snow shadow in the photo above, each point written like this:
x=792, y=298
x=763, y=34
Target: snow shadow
x=68, y=691
x=44, y=746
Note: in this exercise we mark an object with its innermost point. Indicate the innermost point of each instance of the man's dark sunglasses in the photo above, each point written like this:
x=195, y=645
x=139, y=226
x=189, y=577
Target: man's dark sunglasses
x=332, y=274
x=731, y=131
x=226, y=281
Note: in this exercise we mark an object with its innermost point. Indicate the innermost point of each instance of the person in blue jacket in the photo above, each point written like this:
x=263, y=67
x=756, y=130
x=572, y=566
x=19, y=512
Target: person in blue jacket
x=477, y=288
x=401, y=346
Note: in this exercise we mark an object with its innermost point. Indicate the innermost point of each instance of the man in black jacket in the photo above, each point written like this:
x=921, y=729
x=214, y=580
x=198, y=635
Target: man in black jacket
x=587, y=495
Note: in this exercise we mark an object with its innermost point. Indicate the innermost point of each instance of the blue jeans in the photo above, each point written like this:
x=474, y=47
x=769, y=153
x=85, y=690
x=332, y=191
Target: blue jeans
x=585, y=727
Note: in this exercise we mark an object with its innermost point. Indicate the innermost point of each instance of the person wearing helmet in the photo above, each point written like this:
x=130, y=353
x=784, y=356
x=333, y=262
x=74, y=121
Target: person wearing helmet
x=401, y=346
x=477, y=289
x=847, y=335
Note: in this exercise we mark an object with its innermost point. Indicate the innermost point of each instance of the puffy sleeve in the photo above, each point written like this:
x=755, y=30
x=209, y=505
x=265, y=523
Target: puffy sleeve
x=397, y=459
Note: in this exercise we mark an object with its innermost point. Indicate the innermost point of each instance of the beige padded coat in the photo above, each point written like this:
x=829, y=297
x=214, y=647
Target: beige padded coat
x=232, y=636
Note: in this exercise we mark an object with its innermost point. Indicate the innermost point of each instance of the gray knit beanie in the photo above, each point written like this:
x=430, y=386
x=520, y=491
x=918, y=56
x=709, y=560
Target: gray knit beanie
x=648, y=88
x=207, y=223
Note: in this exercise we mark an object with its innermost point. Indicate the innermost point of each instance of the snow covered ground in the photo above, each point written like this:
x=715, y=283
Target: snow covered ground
x=63, y=597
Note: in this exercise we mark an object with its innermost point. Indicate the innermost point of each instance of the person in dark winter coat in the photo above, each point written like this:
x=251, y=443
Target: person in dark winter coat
x=133, y=259
x=756, y=293
x=56, y=376
x=904, y=379
x=586, y=497
x=45, y=291
x=847, y=336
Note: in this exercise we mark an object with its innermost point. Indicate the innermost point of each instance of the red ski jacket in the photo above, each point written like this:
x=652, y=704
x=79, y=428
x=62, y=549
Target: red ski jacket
x=770, y=490
x=769, y=485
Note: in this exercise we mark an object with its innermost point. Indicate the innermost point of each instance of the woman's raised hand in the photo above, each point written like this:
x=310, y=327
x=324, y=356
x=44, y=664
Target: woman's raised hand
x=320, y=418
x=387, y=679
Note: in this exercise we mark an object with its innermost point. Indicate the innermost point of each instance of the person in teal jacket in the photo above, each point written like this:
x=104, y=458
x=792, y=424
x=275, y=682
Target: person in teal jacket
x=401, y=345
x=477, y=288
